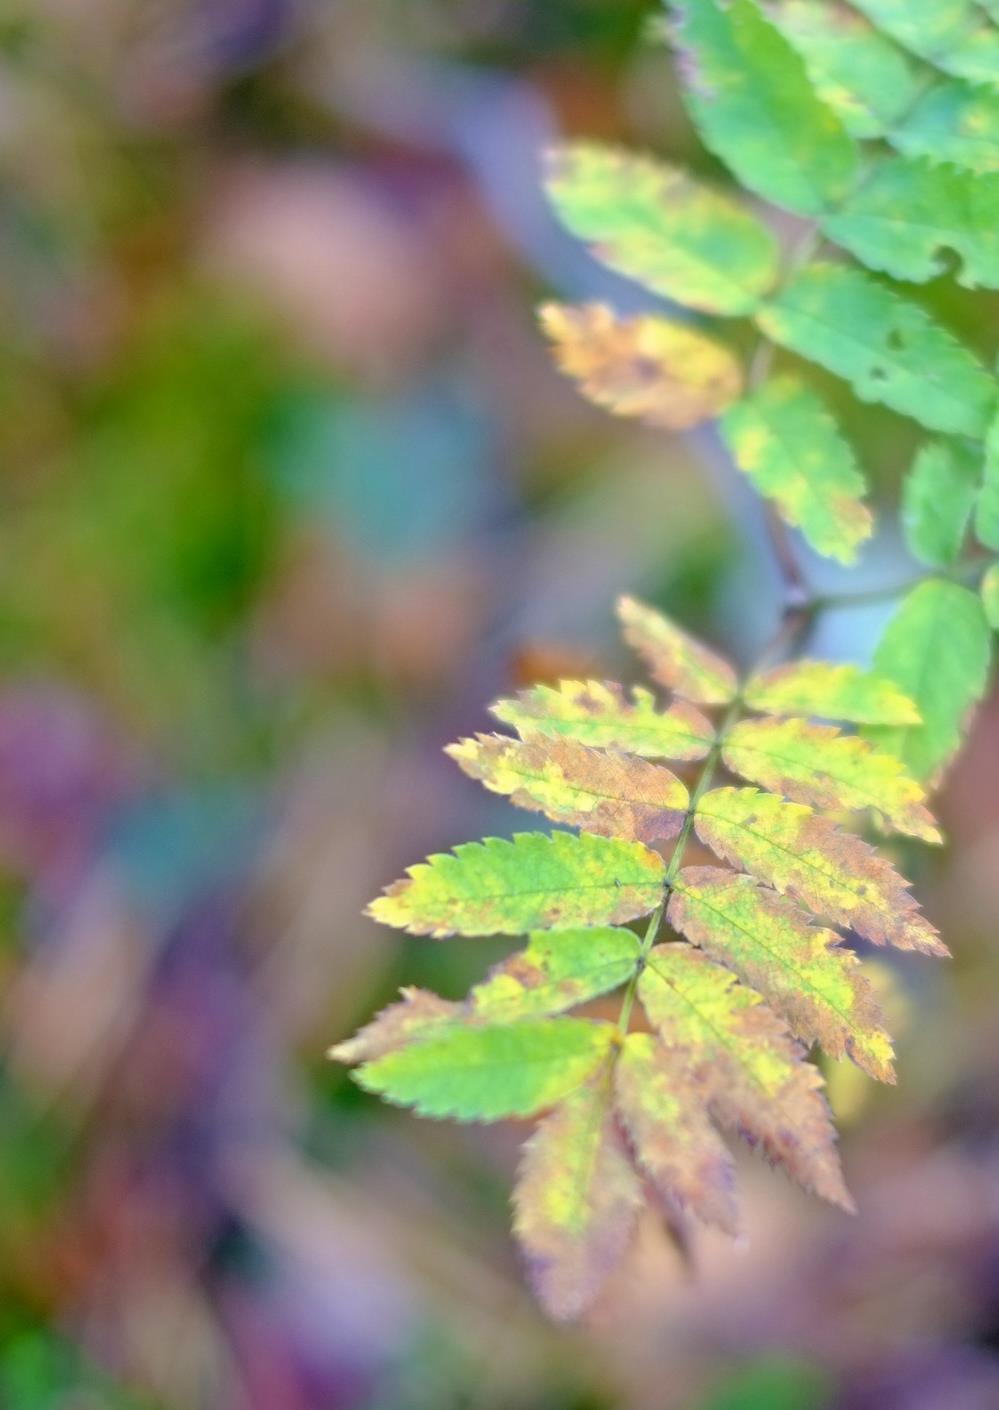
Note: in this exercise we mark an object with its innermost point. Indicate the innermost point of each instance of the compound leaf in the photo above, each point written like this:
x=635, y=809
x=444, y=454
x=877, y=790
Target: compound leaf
x=748, y=1069
x=748, y=93
x=487, y=1073
x=673, y=658
x=659, y=226
x=663, y=373
x=819, y=766
x=953, y=122
x=613, y=794
x=675, y=1144
x=534, y=881
x=831, y=692
x=938, y=500
x=799, y=969
x=599, y=713
x=889, y=349
x=557, y=970
x=831, y=873
x=868, y=82
x=785, y=440
x=909, y=213
x=576, y=1200
x=937, y=648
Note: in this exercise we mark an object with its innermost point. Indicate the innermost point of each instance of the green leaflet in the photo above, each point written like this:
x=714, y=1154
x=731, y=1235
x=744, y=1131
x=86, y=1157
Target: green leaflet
x=656, y=224
x=937, y=501
x=750, y=1071
x=889, y=349
x=485, y=1074
x=614, y=794
x=533, y=882
x=788, y=444
x=819, y=766
x=831, y=692
x=557, y=970
x=599, y=713
x=868, y=82
x=747, y=90
x=831, y=873
x=909, y=214
x=987, y=511
x=937, y=648
x=575, y=1201
x=990, y=596
x=799, y=969
x=952, y=34
x=954, y=122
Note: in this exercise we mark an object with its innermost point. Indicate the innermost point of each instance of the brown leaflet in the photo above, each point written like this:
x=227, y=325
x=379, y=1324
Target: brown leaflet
x=674, y=659
x=418, y=1014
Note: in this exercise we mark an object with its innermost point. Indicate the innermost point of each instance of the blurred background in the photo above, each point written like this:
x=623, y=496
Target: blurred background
x=290, y=492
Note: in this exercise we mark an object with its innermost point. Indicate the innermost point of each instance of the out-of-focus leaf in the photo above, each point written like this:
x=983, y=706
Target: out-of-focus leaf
x=612, y=794
x=665, y=374
x=889, y=349
x=937, y=648
x=673, y=658
x=952, y=34
x=532, y=882
x=990, y=595
x=953, y=122
x=938, y=500
x=832, y=873
x=658, y=225
x=788, y=444
x=749, y=94
x=987, y=509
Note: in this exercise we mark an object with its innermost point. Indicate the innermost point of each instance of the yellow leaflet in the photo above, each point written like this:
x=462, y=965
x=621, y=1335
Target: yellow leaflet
x=675, y=1144
x=832, y=873
x=673, y=658
x=665, y=374
x=799, y=969
x=753, y=1076
x=611, y=794
x=831, y=693
x=599, y=713
x=533, y=882
x=576, y=1200
x=817, y=765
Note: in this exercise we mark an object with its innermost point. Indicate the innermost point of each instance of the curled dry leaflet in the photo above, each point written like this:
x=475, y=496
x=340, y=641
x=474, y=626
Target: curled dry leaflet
x=734, y=973
x=876, y=125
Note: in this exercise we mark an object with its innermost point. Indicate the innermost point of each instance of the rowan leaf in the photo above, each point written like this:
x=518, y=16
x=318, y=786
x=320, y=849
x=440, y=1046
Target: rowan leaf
x=953, y=122
x=937, y=648
x=557, y=970
x=613, y=794
x=990, y=595
x=417, y=1015
x=832, y=873
x=951, y=34
x=657, y=225
x=987, y=509
x=751, y=1074
x=799, y=969
x=819, y=766
x=576, y=1201
x=490, y=1072
x=889, y=349
x=662, y=1110
x=831, y=692
x=788, y=444
x=909, y=214
x=938, y=500
x=856, y=71
x=599, y=713
x=534, y=881
x=748, y=92
x=661, y=372
x=674, y=659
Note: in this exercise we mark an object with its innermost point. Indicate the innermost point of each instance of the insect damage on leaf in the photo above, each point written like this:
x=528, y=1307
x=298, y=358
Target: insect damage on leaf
x=628, y=1113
